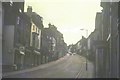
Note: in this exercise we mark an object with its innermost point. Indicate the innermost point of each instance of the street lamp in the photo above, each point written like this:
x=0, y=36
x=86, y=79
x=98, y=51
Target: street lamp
x=86, y=48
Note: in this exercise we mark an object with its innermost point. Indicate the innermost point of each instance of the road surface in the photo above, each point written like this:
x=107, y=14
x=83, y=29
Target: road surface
x=70, y=66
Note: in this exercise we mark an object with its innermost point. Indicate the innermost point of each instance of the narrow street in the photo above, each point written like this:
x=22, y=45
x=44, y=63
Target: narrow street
x=70, y=66
x=60, y=38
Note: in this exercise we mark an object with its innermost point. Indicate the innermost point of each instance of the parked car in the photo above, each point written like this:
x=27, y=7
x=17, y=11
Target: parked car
x=70, y=53
x=74, y=53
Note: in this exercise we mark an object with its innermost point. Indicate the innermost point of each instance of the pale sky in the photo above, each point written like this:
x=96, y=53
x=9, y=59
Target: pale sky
x=69, y=16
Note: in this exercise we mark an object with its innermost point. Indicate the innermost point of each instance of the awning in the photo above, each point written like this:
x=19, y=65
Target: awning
x=37, y=52
x=21, y=52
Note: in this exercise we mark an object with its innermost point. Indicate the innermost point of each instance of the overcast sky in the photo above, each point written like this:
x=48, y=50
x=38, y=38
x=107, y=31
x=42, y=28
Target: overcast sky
x=69, y=16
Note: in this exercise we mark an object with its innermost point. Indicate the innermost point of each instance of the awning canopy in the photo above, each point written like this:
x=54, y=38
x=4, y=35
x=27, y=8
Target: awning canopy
x=37, y=52
x=21, y=52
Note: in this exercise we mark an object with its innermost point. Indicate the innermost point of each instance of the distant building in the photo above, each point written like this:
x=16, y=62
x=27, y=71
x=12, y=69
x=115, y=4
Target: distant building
x=48, y=45
x=59, y=41
x=81, y=46
x=53, y=46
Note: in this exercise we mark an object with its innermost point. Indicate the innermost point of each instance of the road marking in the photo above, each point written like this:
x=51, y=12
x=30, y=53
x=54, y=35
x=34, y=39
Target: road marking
x=79, y=72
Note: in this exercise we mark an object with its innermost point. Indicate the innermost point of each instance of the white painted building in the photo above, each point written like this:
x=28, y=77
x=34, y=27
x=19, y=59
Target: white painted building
x=35, y=36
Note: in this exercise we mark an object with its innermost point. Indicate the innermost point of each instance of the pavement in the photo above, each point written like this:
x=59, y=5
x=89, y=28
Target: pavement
x=70, y=66
x=0, y=71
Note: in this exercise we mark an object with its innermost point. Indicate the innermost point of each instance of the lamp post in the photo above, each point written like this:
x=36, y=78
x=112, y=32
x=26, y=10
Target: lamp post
x=86, y=48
